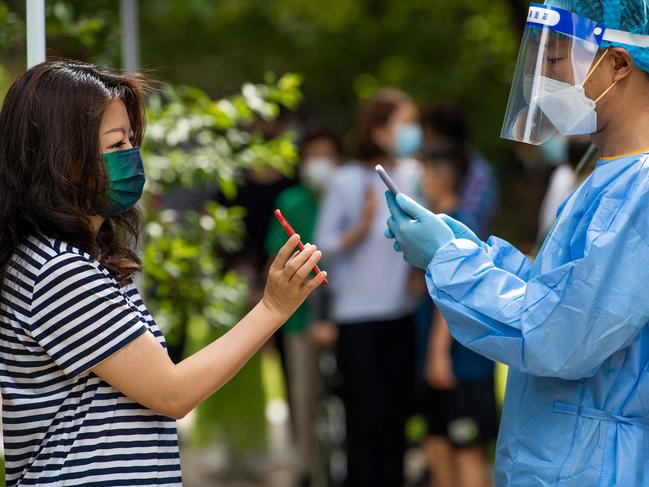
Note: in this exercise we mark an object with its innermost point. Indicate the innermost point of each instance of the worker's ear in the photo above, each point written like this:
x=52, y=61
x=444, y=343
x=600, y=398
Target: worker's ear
x=622, y=63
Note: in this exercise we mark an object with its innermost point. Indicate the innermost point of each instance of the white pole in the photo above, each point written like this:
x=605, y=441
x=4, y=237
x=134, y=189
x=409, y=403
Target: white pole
x=130, y=35
x=35, y=32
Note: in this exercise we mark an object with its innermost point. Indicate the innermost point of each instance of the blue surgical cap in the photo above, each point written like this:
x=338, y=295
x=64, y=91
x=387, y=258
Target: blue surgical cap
x=627, y=15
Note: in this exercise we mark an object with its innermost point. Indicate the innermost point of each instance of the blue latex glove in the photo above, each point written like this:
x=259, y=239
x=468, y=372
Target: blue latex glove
x=419, y=233
x=460, y=230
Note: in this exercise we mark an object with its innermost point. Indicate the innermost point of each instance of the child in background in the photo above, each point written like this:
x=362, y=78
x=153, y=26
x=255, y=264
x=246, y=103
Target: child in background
x=320, y=154
x=446, y=125
x=460, y=404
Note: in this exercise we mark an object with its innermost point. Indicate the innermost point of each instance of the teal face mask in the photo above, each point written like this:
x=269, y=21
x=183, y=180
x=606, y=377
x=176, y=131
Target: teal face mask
x=126, y=178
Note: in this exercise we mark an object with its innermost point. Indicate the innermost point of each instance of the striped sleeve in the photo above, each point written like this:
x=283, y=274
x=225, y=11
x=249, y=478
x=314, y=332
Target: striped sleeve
x=78, y=314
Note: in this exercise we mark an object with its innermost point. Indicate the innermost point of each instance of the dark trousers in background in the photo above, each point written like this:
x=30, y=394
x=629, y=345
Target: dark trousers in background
x=377, y=362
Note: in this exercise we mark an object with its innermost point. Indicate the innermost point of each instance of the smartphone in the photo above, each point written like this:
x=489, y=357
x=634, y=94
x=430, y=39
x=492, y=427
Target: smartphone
x=387, y=180
x=289, y=230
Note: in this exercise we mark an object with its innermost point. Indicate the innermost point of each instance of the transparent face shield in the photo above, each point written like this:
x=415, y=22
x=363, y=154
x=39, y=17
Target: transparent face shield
x=558, y=53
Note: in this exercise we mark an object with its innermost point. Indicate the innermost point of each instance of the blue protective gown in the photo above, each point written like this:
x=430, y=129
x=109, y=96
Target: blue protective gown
x=572, y=328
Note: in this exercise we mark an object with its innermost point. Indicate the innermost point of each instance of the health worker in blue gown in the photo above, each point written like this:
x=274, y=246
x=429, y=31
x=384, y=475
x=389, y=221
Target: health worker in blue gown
x=572, y=325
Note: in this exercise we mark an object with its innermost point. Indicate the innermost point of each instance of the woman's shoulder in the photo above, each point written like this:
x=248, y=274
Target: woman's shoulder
x=45, y=248
x=39, y=256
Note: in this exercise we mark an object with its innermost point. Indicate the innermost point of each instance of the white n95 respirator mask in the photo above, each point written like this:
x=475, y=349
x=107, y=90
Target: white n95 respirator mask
x=567, y=107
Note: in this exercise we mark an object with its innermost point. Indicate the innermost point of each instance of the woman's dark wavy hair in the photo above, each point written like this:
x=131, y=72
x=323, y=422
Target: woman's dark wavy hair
x=52, y=175
x=374, y=113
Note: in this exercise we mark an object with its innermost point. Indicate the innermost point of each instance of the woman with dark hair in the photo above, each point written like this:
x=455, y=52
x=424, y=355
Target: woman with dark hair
x=371, y=301
x=88, y=391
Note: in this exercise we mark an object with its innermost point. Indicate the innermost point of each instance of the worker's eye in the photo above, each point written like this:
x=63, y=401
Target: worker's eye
x=553, y=62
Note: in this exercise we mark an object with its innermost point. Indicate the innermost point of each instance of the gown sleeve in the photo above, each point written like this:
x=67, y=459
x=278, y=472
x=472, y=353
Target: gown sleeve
x=505, y=256
x=561, y=323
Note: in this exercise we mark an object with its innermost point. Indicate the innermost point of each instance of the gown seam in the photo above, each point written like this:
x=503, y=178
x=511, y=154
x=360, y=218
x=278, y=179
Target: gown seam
x=575, y=428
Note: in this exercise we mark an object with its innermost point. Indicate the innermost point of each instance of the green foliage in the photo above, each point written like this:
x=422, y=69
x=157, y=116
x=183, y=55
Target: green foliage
x=12, y=31
x=346, y=49
x=4, y=83
x=66, y=21
x=12, y=27
x=185, y=278
x=192, y=141
x=75, y=29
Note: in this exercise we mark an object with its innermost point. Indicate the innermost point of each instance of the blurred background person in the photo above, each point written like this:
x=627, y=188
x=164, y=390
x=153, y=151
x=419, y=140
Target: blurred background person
x=459, y=402
x=564, y=154
x=370, y=299
x=257, y=194
x=446, y=126
x=320, y=155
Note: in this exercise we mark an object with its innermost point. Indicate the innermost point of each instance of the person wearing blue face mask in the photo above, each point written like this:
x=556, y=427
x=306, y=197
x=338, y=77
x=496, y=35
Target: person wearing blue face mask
x=573, y=325
x=371, y=301
x=89, y=393
x=565, y=155
x=407, y=139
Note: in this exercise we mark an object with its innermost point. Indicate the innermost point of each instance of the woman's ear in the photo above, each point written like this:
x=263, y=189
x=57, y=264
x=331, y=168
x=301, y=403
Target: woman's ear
x=622, y=63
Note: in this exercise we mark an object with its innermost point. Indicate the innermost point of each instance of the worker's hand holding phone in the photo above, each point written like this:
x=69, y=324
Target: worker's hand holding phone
x=418, y=233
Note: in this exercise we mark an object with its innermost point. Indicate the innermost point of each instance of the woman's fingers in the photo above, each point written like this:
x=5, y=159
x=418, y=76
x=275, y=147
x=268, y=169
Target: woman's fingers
x=284, y=254
x=314, y=282
x=306, y=268
x=297, y=261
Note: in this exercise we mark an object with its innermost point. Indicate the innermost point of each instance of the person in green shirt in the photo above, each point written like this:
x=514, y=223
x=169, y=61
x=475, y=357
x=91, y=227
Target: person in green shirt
x=320, y=154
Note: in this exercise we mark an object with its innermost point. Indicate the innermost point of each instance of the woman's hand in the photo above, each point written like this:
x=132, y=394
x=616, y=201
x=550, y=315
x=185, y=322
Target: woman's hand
x=288, y=284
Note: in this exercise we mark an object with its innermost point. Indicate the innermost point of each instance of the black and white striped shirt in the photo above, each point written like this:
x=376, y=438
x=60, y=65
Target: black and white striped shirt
x=61, y=314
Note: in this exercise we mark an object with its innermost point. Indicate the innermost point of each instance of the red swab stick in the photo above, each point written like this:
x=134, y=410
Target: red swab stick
x=289, y=229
